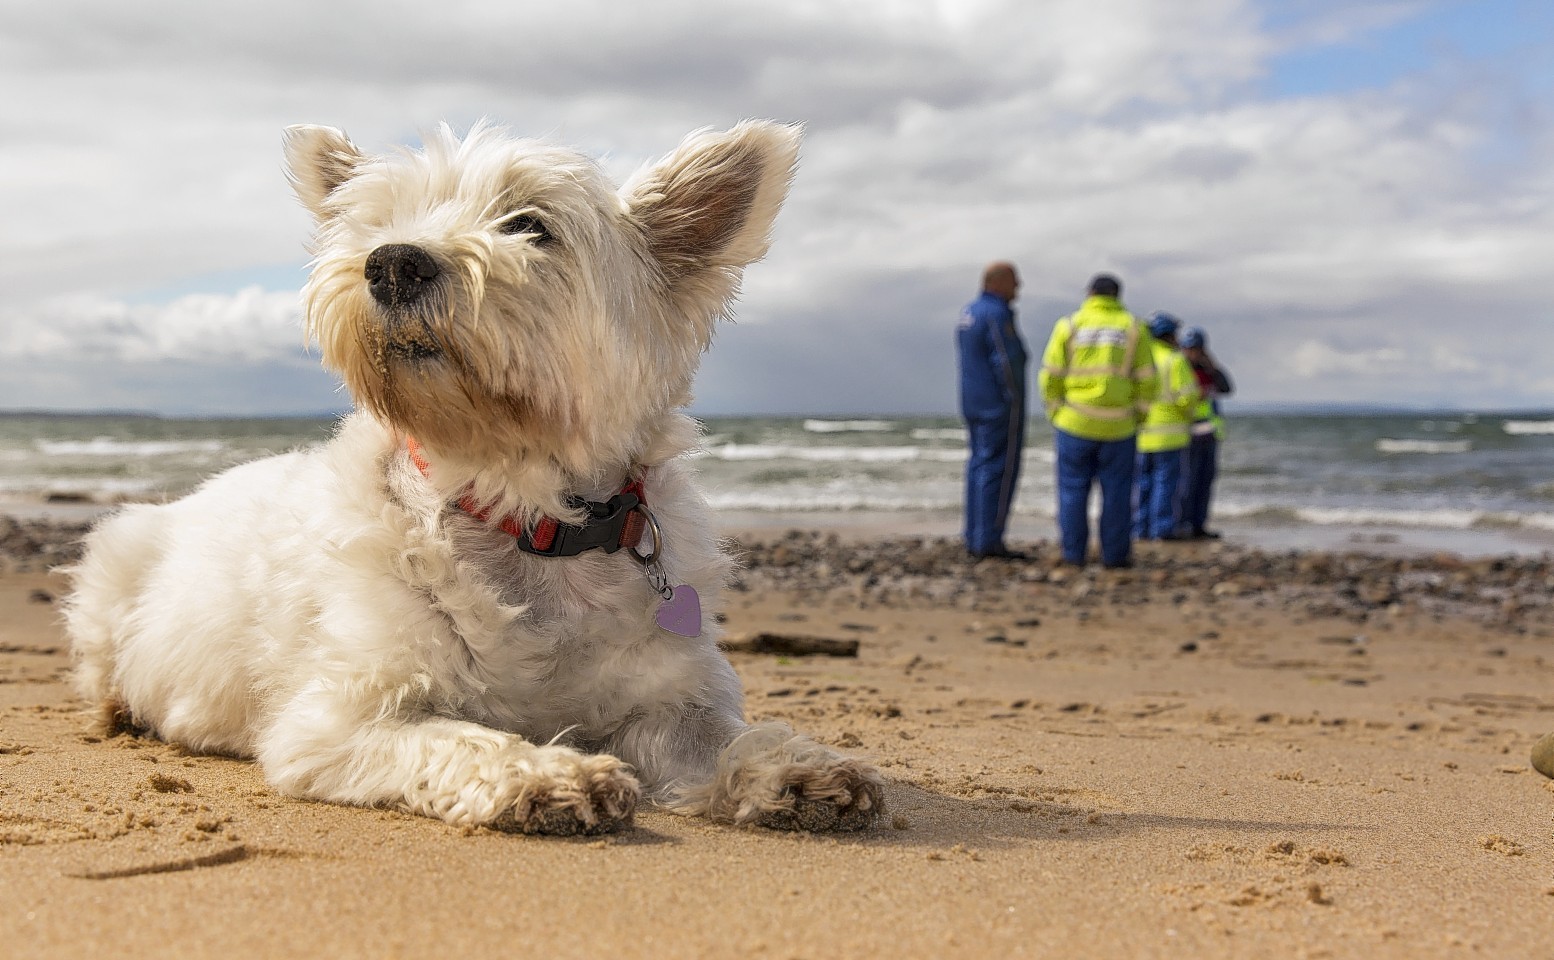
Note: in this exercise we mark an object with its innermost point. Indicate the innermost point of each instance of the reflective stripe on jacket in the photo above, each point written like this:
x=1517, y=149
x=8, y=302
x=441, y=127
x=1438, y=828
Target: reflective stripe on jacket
x=1097, y=376
x=1207, y=420
x=1168, y=425
x=1203, y=419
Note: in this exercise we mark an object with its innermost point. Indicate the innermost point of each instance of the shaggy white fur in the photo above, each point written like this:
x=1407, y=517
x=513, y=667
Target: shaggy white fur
x=329, y=612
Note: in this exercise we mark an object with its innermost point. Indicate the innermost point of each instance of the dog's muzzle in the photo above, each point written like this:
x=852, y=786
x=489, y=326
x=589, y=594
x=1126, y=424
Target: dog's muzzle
x=399, y=274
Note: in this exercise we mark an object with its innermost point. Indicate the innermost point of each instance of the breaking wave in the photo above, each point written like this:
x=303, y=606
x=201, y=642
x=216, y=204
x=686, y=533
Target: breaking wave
x=1389, y=445
x=849, y=426
x=1525, y=428
x=108, y=447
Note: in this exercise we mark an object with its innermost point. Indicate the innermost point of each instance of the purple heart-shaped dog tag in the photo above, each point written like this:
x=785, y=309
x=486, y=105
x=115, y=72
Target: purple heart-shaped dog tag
x=681, y=613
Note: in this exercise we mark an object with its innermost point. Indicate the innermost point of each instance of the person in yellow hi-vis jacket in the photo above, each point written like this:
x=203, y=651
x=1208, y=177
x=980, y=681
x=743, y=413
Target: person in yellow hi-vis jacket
x=1163, y=438
x=1208, y=432
x=1097, y=381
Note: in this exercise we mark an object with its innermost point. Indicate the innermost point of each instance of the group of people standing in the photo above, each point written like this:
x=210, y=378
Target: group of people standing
x=1135, y=410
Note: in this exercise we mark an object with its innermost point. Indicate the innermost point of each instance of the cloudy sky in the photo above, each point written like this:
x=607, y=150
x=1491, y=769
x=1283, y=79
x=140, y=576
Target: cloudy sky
x=1356, y=199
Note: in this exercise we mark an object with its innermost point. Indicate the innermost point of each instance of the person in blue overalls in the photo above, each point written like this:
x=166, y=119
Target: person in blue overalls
x=992, y=401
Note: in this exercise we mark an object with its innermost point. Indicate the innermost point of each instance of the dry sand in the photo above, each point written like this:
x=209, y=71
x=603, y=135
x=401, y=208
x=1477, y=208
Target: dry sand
x=1242, y=767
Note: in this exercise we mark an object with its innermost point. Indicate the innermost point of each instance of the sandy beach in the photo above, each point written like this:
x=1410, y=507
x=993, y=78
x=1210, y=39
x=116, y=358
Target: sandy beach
x=1225, y=752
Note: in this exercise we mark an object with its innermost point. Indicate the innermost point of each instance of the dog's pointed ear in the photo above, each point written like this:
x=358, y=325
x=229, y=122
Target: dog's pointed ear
x=318, y=159
x=708, y=208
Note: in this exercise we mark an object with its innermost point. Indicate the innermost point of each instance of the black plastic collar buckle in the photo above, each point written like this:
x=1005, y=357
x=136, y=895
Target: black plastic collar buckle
x=601, y=531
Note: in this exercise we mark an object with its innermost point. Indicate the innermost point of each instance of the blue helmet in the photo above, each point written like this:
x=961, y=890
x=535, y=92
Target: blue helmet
x=1194, y=337
x=1162, y=324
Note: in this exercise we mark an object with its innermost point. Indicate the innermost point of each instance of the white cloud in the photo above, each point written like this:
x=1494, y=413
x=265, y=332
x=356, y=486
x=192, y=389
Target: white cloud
x=1071, y=136
x=249, y=326
x=1314, y=359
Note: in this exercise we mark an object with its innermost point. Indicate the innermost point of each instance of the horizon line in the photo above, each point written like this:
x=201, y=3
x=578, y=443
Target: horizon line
x=1252, y=407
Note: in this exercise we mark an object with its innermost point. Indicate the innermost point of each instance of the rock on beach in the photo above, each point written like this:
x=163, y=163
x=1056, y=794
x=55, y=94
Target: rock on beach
x=1543, y=755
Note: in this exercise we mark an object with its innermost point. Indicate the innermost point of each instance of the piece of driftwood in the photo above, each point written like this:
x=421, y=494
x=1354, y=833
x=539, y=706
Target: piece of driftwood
x=789, y=645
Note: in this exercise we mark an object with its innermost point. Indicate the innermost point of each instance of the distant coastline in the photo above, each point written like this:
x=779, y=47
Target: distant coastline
x=1240, y=408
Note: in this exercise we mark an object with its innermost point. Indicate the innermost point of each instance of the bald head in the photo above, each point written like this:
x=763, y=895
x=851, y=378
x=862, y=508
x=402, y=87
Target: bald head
x=1001, y=280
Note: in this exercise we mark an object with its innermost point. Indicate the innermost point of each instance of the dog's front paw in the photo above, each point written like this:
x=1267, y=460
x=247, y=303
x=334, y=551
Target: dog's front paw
x=847, y=795
x=567, y=793
x=772, y=778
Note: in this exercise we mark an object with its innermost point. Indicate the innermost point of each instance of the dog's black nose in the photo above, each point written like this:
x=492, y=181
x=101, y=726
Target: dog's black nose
x=399, y=273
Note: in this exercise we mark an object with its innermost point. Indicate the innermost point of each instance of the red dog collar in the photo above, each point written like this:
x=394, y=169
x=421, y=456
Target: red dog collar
x=615, y=523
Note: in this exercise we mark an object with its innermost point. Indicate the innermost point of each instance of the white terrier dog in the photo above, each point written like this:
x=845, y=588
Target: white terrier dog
x=488, y=599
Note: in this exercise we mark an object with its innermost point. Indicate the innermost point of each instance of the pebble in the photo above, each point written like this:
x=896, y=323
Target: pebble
x=37, y=545
x=1513, y=592
x=889, y=570
x=1543, y=755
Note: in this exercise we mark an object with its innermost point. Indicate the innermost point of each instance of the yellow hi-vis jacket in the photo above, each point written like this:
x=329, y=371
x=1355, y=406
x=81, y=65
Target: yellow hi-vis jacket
x=1168, y=425
x=1097, y=375
x=1207, y=421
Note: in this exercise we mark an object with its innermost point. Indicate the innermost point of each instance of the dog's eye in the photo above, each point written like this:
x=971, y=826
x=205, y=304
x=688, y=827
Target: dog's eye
x=525, y=223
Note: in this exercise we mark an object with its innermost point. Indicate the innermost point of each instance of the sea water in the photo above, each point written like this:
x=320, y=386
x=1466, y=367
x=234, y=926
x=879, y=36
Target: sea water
x=1442, y=471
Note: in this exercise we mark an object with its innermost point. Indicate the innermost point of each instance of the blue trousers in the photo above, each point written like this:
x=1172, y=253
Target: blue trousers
x=1202, y=465
x=992, y=474
x=1157, y=512
x=1082, y=464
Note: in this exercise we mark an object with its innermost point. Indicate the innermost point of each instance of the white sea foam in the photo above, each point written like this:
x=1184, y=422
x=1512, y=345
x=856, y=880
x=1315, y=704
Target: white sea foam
x=775, y=451
x=825, y=500
x=109, y=447
x=957, y=434
x=838, y=454
x=1539, y=521
x=1388, y=445
x=848, y=426
x=1371, y=516
x=1523, y=428
x=1038, y=503
x=95, y=489
x=1439, y=519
